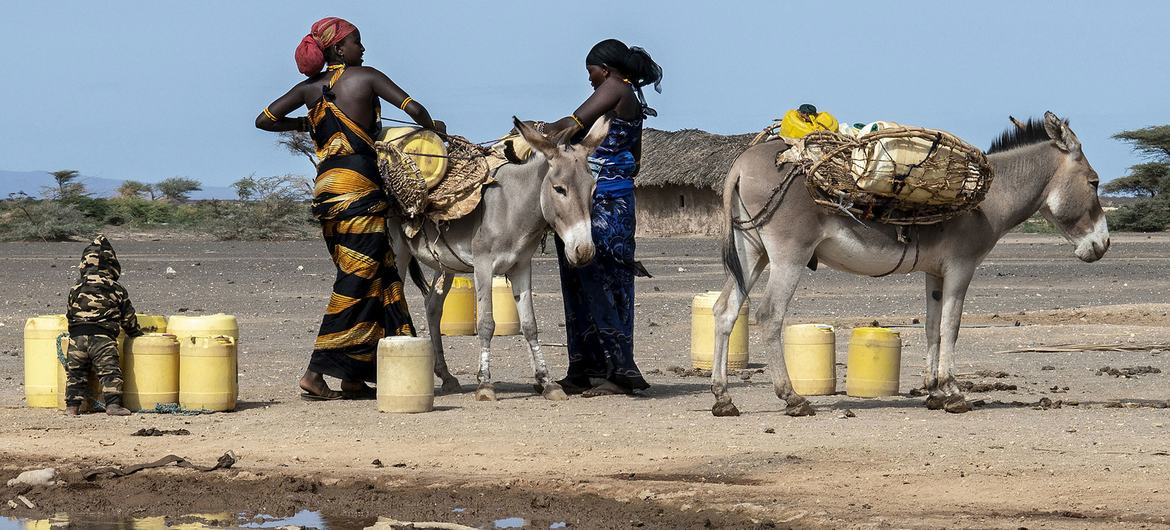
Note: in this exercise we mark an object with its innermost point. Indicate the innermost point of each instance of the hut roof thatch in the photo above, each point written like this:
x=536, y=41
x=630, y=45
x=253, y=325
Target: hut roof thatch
x=689, y=157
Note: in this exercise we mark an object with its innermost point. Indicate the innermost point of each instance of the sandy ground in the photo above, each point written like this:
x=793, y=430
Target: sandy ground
x=660, y=460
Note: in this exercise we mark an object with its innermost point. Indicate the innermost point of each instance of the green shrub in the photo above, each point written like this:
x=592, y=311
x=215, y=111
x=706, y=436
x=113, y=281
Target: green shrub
x=138, y=212
x=26, y=219
x=1149, y=215
x=271, y=208
x=1035, y=225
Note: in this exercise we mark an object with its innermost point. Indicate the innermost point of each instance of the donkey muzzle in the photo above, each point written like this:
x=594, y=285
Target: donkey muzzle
x=1093, y=245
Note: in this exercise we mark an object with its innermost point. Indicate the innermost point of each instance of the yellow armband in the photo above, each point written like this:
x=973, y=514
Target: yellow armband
x=268, y=114
x=405, y=102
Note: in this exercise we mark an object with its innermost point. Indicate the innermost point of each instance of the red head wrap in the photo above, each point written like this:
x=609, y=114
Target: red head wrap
x=326, y=32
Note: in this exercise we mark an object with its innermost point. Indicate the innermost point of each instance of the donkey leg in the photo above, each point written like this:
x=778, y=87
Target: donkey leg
x=726, y=311
x=954, y=292
x=781, y=285
x=440, y=285
x=934, y=286
x=521, y=278
x=485, y=326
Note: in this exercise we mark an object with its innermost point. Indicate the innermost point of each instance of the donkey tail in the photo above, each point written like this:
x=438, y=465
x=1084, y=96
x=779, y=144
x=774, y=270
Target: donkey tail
x=416, y=276
x=731, y=261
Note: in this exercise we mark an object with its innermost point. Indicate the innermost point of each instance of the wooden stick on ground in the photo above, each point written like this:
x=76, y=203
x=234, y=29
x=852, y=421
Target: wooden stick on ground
x=1073, y=348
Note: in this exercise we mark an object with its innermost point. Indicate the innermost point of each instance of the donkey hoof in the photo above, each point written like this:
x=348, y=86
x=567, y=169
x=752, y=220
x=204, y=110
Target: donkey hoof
x=450, y=386
x=554, y=392
x=485, y=393
x=935, y=401
x=956, y=404
x=799, y=409
x=723, y=409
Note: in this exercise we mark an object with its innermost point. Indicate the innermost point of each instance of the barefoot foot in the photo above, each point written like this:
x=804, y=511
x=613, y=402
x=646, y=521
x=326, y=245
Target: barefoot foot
x=606, y=388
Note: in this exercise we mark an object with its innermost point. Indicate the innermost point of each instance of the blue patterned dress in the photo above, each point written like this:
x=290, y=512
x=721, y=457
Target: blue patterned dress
x=599, y=297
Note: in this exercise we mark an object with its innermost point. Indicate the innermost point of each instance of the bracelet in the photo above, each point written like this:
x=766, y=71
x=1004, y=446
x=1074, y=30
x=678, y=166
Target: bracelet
x=578, y=120
x=405, y=102
x=268, y=114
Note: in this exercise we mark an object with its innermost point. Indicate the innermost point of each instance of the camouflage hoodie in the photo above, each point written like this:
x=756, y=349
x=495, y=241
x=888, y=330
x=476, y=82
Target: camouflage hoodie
x=98, y=304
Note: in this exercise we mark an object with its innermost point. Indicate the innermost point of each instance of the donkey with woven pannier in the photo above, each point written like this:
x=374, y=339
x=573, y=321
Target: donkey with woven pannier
x=552, y=189
x=1038, y=166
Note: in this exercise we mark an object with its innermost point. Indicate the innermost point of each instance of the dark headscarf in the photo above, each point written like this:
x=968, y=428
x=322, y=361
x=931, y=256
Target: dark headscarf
x=633, y=62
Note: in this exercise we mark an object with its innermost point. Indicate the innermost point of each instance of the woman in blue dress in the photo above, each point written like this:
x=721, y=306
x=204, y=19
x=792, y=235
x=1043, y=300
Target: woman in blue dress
x=599, y=297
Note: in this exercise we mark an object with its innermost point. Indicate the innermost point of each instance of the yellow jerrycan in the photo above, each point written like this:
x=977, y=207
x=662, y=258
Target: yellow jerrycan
x=810, y=353
x=41, y=365
x=150, y=371
x=703, y=334
x=459, y=308
x=148, y=323
x=152, y=323
x=875, y=362
x=423, y=146
x=406, y=372
x=208, y=373
x=504, y=310
x=218, y=324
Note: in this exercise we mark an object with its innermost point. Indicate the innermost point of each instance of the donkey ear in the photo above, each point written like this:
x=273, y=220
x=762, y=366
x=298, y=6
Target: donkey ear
x=1069, y=138
x=1061, y=135
x=538, y=141
x=597, y=134
x=1016, y=122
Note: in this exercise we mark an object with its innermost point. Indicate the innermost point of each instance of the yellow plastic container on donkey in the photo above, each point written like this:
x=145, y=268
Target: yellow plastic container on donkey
x=423, y=147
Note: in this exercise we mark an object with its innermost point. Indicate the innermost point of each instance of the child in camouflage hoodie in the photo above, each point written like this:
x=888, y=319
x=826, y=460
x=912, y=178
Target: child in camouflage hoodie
x=98, y=307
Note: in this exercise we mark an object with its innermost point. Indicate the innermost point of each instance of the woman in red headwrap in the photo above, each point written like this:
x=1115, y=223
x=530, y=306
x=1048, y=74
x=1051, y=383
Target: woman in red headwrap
x=343, y=98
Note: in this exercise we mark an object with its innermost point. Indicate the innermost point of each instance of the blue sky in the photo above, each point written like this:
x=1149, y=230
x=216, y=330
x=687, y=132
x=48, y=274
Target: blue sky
x=151, y=89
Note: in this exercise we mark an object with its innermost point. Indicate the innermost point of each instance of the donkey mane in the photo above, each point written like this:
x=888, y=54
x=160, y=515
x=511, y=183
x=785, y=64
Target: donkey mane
x=1031, y=133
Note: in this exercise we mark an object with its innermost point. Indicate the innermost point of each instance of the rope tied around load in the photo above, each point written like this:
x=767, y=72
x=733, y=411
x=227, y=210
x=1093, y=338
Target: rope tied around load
x=897, y=175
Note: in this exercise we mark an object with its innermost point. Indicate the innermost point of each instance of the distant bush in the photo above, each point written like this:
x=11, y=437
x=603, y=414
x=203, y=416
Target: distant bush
x=138, y=212
x=1035, y=225
x=25, y=219
x=270, y=208
x=1148, y=215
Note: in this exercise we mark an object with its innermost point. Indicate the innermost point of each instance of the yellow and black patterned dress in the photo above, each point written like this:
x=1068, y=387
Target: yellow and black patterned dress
x=367, y=301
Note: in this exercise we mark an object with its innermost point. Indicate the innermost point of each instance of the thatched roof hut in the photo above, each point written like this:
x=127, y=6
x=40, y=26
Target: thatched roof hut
x=689, y=157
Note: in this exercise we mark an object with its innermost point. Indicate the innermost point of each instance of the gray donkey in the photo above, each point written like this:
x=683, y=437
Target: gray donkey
x=1039, y=166
x=554, y=188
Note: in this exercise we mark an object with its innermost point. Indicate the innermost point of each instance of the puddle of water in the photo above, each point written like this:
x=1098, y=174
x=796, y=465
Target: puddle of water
x=510, y=522
x=303, y=518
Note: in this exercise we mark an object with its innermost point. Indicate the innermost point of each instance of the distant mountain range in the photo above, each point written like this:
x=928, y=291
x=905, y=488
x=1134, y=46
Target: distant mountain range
x=34, y=182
